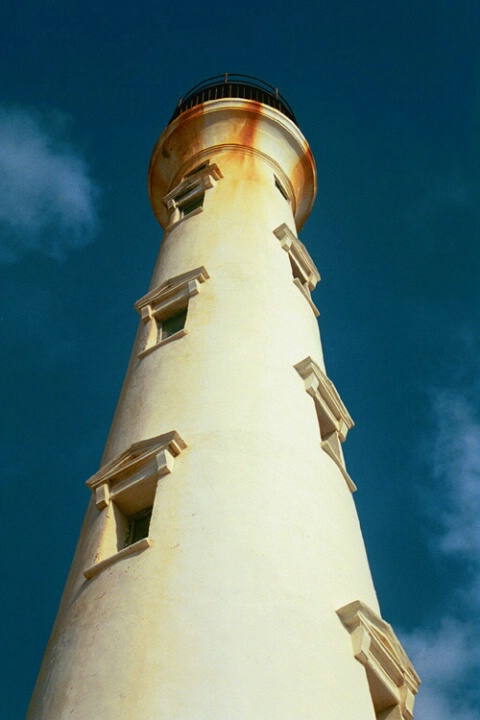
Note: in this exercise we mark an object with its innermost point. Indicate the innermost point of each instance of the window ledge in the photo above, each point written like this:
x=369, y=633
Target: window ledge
x=140, y=545
x=307, y=297
x=329, y=450
x=174, y=223
x=181, y=333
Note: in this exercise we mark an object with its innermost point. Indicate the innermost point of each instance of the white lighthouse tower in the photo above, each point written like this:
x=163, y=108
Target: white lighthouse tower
x=221, y=572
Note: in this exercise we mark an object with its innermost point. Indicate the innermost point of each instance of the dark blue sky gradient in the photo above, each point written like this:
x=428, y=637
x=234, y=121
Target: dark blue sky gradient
x=388, y=96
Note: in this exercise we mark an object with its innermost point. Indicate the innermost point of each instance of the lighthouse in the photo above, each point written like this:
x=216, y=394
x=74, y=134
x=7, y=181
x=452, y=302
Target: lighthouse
x=221, y=573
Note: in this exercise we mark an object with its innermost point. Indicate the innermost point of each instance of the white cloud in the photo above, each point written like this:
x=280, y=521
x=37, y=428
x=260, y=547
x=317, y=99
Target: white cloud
x=447, y=655
x=457, y=466
x=47, y=198
x=447, y=659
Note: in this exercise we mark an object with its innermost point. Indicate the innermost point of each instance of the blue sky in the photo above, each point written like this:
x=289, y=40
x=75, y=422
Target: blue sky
x=388, y=96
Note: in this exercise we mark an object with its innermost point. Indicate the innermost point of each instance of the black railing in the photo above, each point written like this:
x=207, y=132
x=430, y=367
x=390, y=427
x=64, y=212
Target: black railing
x=234, y=86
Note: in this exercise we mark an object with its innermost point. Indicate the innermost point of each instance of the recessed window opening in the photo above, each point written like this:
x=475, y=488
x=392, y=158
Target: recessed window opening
x=164, y=309
x=305, y=274
x=187, y=198
x=184, y=193
x=197, y=169
x=282, y=190
x=192, y=205
x=173, y=324
x=392, y=679
x=297, y=273
x=124, y=491
x=334, y=420
x=138, y=526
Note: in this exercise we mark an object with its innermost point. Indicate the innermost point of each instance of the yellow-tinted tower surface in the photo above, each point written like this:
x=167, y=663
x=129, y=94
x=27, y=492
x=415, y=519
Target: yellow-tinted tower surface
x=221, y=572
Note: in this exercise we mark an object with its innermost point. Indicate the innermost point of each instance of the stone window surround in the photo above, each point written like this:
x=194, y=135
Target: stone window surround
x=305, y=273
x=391, y=676
x=189, y=189
x=130, y=480
x=333, y=417
x=163, y=302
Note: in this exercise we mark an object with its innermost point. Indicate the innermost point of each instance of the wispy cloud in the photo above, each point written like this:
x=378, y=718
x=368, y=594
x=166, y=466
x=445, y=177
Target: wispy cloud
x=457, y=467
x=447, y=654
x=47, y=197
x=446, y=658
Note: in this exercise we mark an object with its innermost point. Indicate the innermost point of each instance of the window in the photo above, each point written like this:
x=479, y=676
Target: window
x=190, y=206
x=281, y=189
x=190, y=199
x=333, y=418
x=163, y=324
x=125, y=491
x=164, y=309
x=305, y=274
x=138, y=526
x=187, y=198
x=391, y=677
x=172, y=325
